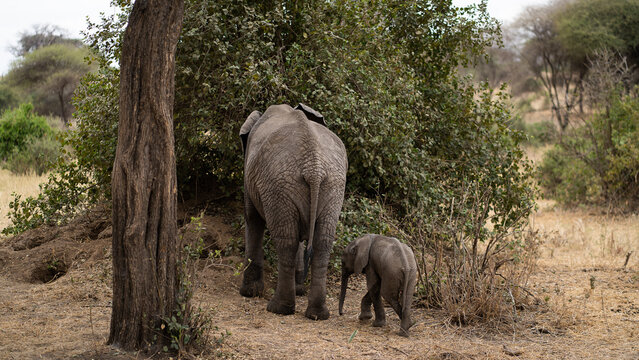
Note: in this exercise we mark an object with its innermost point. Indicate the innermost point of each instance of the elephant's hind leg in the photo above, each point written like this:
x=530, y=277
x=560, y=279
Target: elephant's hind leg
x=391, y=291
x=252, y=282
x=376, y=296
x=317, y=309
x=365, y=308
x=283, y=301
x=406, y=322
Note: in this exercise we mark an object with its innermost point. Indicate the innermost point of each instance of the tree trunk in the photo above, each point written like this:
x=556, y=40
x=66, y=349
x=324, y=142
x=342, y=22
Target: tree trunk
x=63, y=111
x=144, y=183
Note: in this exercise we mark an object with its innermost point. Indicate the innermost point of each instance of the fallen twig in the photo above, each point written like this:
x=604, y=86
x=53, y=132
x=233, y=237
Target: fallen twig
x=400, y=350
x=627, y=258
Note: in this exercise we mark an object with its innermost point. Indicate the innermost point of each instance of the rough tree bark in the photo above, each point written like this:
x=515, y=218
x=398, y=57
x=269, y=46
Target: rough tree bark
x=144, y=178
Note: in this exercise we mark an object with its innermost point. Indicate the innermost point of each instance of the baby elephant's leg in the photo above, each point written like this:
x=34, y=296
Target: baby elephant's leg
x=380, y=315
x=365, y=311
x=374, y=287
x=391, y=292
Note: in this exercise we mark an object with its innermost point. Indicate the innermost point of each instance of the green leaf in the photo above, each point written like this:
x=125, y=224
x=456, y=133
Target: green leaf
x=352, y=336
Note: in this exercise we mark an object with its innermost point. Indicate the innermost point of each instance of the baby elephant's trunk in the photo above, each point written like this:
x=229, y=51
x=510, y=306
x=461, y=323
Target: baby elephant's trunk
x=342, y=293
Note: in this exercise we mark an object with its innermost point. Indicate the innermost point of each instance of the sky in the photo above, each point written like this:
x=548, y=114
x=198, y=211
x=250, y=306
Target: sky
x=21, y=15
x=70, y=15
x=505, y=11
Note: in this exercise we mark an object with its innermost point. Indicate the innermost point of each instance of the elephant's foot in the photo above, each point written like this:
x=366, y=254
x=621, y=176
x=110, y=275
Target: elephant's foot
x=365, y=315
x=252, y=289
x=277, y=307
x=379, y=322
x=300, y=290
x=317, y=313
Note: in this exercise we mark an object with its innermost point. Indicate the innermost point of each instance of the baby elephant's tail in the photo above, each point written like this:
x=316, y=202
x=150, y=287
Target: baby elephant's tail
x=410, y=272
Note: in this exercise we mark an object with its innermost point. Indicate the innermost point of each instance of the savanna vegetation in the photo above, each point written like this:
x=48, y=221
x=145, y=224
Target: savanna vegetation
x=581, y=57
x=426, y=146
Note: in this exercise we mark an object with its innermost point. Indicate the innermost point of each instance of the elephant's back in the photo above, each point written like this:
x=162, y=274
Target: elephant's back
x=391, y=250
x=284, y=151
x=284, y=139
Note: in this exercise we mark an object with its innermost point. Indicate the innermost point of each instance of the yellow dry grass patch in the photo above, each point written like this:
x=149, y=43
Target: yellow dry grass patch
x=22, y=184
x=586, y=238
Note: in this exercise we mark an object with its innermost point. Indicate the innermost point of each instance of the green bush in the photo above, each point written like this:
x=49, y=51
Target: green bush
x=67, y=193
x=39, y=156
x=410, y=123
x=538, y=133
x=597, y=163
x=8, y=97
x=18, y=127
x=95, y=136
x=567, y=179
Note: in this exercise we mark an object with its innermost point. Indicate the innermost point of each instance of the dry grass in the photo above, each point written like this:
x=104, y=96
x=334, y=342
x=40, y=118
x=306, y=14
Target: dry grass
x=590, y=308
x=593, y=298
x=22, y=184
x=588, y=238
x=536, y=153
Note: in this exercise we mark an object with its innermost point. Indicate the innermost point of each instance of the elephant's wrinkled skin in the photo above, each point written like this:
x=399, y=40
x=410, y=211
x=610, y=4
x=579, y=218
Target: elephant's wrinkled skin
x=294, y=179
x=390, y=270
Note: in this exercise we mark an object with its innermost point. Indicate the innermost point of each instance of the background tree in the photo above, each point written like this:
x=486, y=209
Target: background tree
x=145, y=278
x=504, y=64
x=549, y=61
x=585, y=27
x=596, y=163
x=564, y=35
x=41, y=36
x=48, y=76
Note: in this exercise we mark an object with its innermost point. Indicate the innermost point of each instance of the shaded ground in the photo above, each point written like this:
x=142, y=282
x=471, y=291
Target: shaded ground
x=590, y=304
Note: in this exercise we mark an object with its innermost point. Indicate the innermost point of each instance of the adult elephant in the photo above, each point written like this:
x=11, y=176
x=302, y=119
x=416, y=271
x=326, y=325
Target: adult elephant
x=294, y=179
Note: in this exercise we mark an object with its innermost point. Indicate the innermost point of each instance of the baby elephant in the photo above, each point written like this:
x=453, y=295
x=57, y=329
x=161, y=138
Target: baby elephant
x=390, y=272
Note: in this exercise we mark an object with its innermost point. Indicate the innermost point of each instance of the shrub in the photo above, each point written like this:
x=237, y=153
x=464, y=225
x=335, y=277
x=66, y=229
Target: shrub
x=408, y=123
x=538, y=133
x=472, y=272
x=567, y=179
x=8, y=97
x=39, y=156
x=67, y=193
x=597, y=163
x=18, y=127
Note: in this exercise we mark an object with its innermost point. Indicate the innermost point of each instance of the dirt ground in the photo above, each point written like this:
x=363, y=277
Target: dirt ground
x=55, y=298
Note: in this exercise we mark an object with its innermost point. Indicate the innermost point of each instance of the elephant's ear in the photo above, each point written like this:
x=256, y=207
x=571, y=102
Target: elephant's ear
x=247, y=126
x=362, y=253
x=311, y=114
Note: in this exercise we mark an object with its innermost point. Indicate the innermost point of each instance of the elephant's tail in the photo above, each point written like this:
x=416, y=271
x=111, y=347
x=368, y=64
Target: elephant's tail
x=409, y=282
x=314, y=184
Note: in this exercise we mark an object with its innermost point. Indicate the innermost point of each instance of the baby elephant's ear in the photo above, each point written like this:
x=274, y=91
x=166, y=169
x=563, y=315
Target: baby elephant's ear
x=363, y=253
x=247, y=126
x=311, y=114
